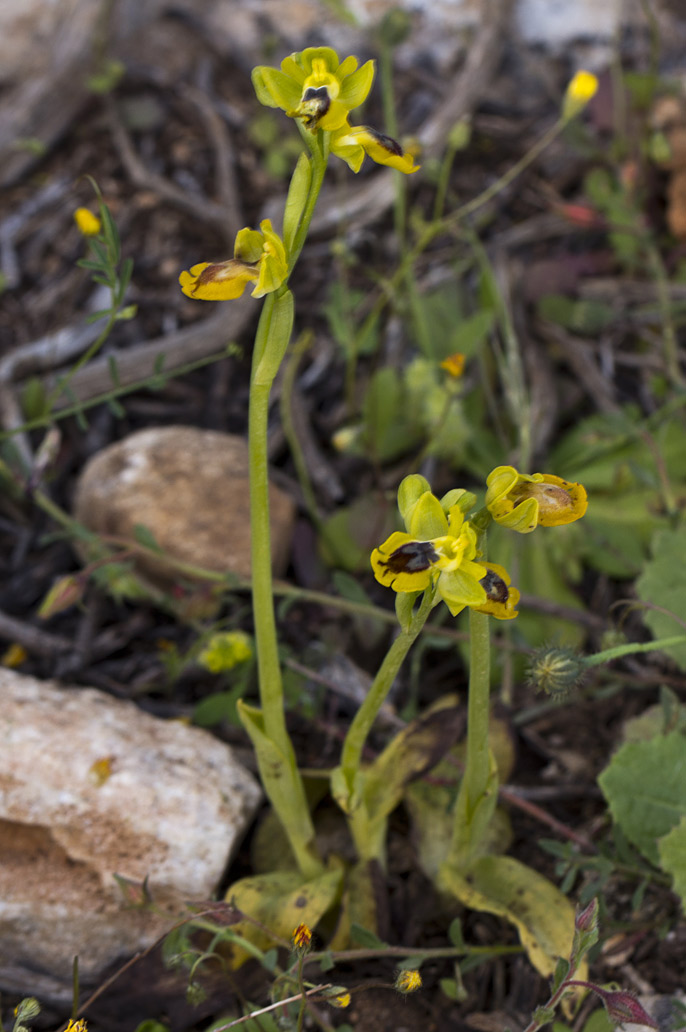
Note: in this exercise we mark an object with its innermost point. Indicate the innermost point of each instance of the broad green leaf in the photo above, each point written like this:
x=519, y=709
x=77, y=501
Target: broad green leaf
x=599, y=1021
x=390, y=427
x=413, y=752
x=663, y=582
x=349, y=535
x=281, y=782
x=645, y=786
x=672, y=850
x=501, y=885
x=587, y=317
x=280, y=901
x=358, y=917
x=430, y=805
x=277, y=334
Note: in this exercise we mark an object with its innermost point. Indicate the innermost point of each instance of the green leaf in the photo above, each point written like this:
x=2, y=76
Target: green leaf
x=348, y=536
x=144, y=536
x=389, y=427
x=34, y=399
x=363, y=937
x=218, y=707
x=280, y=777
x=275, y=330
x=645, y=786
x=296, y=200
x=663, y=582
x=587, y=317
x=95, y=316
x=501, y=885
x=471, y=333
x=455, y=933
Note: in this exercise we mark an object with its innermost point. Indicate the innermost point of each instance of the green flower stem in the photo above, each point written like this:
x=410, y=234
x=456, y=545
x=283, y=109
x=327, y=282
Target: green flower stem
x=351, y=755
x=632, y=647
x=475, y=780
x=271, y=691
x=271, y=341
x=477, y=794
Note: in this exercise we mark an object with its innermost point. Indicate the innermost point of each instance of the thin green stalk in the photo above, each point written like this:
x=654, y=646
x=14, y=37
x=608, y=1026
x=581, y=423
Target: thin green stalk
x=631, y=648
x=63, y=382
x=351, y=754
x=475, y=781
x=271, y=690
x=477, y=794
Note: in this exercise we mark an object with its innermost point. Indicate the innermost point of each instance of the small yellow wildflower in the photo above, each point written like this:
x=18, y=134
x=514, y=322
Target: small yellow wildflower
x=582, y=87
x=408, y=982
x=77, y=1026
x=225, y=651
x=454, y=365
x=88, y=223
x=521, y=502
x=342, y=1000
x=302, y=937
x=14, y=656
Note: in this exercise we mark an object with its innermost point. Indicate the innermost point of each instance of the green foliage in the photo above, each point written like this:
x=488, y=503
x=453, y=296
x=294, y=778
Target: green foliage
x=645, y=788
x=620, y=208
x=663, y=584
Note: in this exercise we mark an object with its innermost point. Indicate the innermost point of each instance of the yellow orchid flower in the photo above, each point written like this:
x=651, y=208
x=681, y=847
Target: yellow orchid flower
x=259, y=257
x=314, y=86
x=351, y=143
x=439, y=550
x=522, y=502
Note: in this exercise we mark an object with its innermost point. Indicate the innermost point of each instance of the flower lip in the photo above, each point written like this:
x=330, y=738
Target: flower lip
x=495, y=587
x=315, y=104
x=412, y=557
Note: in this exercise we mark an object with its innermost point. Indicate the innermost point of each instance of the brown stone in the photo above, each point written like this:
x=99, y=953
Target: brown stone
x=190, y=488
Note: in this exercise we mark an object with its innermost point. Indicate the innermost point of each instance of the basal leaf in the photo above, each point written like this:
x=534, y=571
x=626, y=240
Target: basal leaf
x=663, y=582
x=280, y=901
x=501, y=885
x=645, y=786
x=672, y=850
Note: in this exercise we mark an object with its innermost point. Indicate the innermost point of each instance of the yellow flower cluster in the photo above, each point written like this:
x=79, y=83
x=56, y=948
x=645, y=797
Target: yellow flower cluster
x=439, y=549
x=317, y=88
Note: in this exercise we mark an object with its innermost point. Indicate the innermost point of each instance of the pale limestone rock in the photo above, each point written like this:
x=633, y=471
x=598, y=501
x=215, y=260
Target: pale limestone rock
x=190, y=488
x=173, y=808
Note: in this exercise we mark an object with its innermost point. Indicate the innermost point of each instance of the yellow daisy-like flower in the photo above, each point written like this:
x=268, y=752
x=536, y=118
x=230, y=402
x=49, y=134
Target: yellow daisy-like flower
x=454, y=365
x=315, y=86
x=439, y=551
x=88, y=223
x=302, y=937
x=522, y=502
x=225, y=650
x=259, y=257
x=77, y=1026
x=408, y=982
x=351, y=143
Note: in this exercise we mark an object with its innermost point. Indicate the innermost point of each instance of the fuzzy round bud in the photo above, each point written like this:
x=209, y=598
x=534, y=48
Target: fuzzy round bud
x=556, y=671
x=408, y=981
